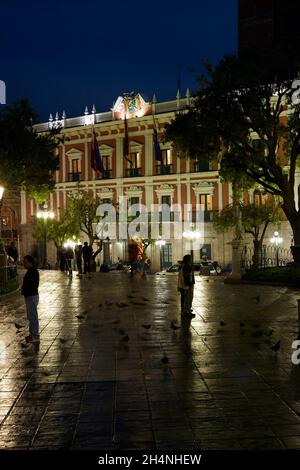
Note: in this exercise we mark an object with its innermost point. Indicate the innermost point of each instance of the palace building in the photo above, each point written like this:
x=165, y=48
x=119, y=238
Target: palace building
x=179, y=181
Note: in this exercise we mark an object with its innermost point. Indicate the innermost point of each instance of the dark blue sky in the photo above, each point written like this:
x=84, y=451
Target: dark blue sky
x=71, y=53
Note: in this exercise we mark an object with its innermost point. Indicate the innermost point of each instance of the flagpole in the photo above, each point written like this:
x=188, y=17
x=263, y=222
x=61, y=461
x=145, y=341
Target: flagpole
x=126, y=138
x=163, y=166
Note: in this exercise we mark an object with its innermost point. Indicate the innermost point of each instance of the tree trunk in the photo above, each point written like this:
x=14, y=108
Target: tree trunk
x=257, y=255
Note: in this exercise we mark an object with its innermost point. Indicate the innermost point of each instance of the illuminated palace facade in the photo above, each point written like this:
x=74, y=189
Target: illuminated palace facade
x=182, y=181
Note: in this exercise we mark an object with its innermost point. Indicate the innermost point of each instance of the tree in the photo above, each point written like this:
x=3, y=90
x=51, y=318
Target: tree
x=244, y=115
x=82, y=210
x=255, y=220
x=58, y=231
x=28, y=159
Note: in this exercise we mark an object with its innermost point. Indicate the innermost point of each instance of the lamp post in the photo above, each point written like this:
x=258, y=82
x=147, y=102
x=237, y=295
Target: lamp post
x=160, y=243
x=276, y=240
x=1, y=204
x=45, y=215
x=192, y=236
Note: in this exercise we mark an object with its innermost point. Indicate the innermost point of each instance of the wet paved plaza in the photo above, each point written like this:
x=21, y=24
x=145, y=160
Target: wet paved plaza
x=98, y=381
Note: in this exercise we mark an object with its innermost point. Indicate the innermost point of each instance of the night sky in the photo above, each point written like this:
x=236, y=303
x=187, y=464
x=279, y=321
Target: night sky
x=64, y=55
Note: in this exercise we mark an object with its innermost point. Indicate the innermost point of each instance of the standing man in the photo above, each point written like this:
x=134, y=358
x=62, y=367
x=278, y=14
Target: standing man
x=87, y=255
x=189, y=281
x=78, y=254
x=69, y=258
x=30, y=290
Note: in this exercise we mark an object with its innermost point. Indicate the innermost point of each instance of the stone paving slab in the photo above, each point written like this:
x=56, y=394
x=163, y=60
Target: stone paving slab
x=97, y=380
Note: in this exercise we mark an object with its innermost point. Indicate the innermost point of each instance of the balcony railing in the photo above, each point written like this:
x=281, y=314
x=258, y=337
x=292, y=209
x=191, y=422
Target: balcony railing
x=74, y=176
x=131, y=172
x=208, y=216
x=164, y=169
x=202, y=167
x=106, y=175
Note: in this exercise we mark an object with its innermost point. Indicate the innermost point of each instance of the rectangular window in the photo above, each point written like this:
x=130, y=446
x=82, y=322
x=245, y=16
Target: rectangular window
x=134, y=200
x=106, y=162
x=260, y=198
x=206, y=202
x=167, y=156
x=166, y=200
x=135, y=157
x=76, y=165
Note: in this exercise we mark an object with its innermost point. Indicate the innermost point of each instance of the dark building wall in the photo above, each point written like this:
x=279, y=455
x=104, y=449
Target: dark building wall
x=265, y=24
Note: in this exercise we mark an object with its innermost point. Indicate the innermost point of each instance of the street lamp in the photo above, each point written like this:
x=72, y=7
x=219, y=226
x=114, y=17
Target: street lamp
x=192, y=236
x=45, y=215
x=276, y=240
x=160, y=243
x=1, y=204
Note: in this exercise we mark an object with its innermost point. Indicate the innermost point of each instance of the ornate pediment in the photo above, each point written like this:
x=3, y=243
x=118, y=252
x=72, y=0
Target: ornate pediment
x=134, y=190
x=204, y=187
x=74, y=153
x=106, y=149
x=105, y=192
x=165, y=189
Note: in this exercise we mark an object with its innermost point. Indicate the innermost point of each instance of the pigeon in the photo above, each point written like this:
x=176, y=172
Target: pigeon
x=174, y=326
x=257, y=299
x=164, y=360
x=205, y=339
x=147, y=327
x=100, y=305
x=125, y=339
x=276, y=347
x=145, y=299
x=80, y=317
x=222, y=323
x=18, y=326
x=122, y=305
x=242, y=325
x=63, y=340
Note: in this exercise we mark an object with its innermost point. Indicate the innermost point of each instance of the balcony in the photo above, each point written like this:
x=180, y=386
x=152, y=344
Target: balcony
x=208, y=216
x=106, y=175
x=202, y=167
x=164, y=169
x=132, y=172
x=74, y=176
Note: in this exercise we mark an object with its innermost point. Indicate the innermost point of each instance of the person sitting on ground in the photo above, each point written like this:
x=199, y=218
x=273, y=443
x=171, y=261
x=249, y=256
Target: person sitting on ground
x=104, y=267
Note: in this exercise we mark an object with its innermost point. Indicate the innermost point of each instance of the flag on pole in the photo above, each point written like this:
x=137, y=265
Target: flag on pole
x=126, y=142
x=157, y=149
x=96, y=160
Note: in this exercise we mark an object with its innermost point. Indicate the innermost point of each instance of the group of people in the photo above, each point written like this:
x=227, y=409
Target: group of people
x=83, y=255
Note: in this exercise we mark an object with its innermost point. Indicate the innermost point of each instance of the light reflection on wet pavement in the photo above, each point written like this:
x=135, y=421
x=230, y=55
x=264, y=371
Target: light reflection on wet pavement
x=98, y=382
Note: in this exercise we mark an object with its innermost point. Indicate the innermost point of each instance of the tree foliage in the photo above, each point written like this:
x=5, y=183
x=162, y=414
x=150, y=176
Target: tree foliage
x=27, y=158
x=243, y=115
x=82, y=210
x=58, y=231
